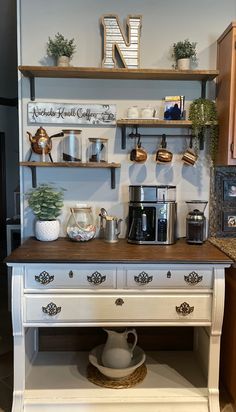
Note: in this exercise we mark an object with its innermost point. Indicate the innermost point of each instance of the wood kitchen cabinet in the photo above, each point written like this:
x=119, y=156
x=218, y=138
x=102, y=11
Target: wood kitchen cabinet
x=226, y=96
x=95, y=285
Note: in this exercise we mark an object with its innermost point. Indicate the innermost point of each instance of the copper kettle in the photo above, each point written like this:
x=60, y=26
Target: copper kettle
x=41, y=142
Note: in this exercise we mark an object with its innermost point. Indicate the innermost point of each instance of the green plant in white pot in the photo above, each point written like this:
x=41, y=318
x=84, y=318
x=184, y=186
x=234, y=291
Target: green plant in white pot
x=184, y=53
x=46, y=203
x=61, y=49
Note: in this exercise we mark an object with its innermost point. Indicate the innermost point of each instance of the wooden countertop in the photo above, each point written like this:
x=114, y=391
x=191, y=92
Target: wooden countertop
x=64, y=250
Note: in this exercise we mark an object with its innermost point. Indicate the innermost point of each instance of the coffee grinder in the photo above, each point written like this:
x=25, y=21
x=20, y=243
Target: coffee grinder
x=196, y=222
x=152, y=215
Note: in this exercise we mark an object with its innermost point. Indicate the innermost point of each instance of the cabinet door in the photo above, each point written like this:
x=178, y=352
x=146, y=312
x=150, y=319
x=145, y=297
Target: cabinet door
x=226, y=96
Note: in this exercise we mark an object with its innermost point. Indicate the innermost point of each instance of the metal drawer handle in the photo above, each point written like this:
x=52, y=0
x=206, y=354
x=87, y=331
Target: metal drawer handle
x=184, y=309
x=51, y=309
x=96, y=278
x=193, y=278
x=44, y=278
x=143, y=278
x=119, y=302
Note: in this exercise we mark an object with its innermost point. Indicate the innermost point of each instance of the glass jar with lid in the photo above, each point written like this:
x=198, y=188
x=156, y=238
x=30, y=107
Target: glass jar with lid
x=81, y=226
x=71, y=146
x=97, y=149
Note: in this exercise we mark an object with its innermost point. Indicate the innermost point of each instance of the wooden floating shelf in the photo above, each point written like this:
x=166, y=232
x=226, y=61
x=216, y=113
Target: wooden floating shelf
x=104, y=73
x=153, y=123
x=71, y=72
x=95, y=165
x=72, y=164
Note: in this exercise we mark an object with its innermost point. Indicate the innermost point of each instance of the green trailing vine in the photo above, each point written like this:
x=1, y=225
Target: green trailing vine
x=203, y=115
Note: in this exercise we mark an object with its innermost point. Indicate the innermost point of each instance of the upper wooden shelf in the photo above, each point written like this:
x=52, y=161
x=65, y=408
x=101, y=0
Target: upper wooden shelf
x=104, y=73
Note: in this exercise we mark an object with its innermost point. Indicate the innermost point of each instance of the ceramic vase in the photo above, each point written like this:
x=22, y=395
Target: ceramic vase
x=63, y=61
x=183, y=64
x=47, y=230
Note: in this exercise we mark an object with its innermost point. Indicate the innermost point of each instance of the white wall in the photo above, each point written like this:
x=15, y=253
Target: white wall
x=162, y=24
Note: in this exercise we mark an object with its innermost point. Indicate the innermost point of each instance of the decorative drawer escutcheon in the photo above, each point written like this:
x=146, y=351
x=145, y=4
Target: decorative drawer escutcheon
x=96, y=278
x=51, y=309
x=193, y=278
x=143, y=278
x=184, y=309
x=44, y=278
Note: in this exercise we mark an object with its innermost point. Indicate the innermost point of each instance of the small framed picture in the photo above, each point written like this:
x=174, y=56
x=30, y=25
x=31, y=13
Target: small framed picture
x=229, y=190
x=229, y=221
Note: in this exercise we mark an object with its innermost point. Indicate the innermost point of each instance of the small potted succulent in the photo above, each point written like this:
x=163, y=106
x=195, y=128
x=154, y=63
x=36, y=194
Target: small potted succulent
x=184, y=53
x=46, y=203
x=204, y=118
x=61, y=49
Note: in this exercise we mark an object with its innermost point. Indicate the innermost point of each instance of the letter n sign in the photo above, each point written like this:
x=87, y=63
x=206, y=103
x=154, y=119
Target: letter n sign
x=114, y=40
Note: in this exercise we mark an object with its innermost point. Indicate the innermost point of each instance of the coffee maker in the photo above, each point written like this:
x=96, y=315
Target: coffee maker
x=152, y=214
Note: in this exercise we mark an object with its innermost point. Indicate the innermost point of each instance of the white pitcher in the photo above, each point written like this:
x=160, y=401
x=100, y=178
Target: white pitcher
x=117, y=353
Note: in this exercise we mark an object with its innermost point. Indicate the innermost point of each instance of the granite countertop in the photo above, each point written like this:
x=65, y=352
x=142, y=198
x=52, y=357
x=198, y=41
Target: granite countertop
x=227, y=245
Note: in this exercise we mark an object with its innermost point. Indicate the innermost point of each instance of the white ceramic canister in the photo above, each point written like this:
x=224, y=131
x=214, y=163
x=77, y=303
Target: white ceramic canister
x=133, y=112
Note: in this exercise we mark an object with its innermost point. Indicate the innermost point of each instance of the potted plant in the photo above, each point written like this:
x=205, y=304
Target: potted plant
x=46, y=203
x=203, y=115
x=184, y=53
x=61, y=49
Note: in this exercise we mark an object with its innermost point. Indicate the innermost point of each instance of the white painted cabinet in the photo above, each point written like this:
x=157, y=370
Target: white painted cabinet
x=117, y=294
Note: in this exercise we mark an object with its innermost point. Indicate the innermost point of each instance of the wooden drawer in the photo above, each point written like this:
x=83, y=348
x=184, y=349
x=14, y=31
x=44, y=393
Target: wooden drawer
x=169, y=278
x=70, y=276
x=117, y=307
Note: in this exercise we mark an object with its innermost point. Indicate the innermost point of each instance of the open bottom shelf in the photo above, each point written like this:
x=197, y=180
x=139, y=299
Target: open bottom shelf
x=174, y=381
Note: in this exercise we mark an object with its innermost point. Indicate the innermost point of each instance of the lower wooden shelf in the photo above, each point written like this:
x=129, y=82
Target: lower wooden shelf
x=34, y=165
x=174, y=380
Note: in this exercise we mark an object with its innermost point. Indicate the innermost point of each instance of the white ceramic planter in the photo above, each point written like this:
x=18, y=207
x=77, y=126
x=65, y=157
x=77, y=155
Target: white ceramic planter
x=183, y=64
x=63, y=61
x=47, y=230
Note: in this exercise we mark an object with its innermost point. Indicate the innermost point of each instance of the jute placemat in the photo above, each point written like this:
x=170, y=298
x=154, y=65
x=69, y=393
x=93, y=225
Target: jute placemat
x=99, y=379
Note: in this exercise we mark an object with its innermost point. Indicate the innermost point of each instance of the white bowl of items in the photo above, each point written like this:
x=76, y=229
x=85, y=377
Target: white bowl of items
x=95, y=357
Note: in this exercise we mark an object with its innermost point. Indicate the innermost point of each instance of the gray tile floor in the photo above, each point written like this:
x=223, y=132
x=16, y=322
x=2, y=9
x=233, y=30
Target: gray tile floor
x=6, y=367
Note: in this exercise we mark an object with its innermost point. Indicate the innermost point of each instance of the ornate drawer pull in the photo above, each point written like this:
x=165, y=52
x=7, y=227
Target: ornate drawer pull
x=51, y=309
x=184, y=309
x=71, y=274
x=143, y=278
x=44, y=278
x=96, y=278
x=168, y=275
x=119, y=302
x=193, y=278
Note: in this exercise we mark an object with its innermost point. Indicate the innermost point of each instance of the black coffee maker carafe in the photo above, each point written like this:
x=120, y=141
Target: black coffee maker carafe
x=196, y=222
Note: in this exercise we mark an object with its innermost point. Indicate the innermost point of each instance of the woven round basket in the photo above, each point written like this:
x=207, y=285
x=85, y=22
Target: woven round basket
x=99, y=379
